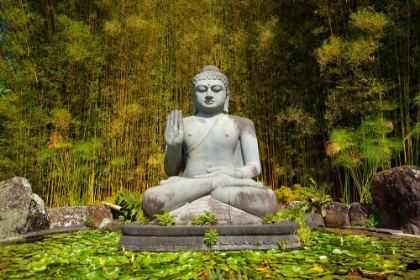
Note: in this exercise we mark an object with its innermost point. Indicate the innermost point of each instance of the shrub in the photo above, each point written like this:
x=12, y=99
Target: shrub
x=206, y=219
x=165, y=219
x=89, y=222
x=287, y=194
x=131, y=203
x=210, y=237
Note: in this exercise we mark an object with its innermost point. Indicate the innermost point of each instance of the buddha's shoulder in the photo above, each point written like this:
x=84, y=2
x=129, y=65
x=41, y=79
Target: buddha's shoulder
x=190, y=120
x=242, y=123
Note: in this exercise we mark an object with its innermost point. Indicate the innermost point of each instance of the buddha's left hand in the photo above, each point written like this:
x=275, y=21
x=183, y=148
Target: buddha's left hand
x=213, y=171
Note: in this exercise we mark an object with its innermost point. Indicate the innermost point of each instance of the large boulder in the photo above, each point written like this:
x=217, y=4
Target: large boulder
x=360, y=213
x=337, y=215
x=396, y=192
x=21, y=211
x=77, y=215
x=314, y=221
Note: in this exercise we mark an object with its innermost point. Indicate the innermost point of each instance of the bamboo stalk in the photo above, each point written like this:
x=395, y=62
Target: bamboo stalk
x=113, y=206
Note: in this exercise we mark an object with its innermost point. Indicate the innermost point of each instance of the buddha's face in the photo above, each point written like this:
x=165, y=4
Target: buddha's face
x=209, y=96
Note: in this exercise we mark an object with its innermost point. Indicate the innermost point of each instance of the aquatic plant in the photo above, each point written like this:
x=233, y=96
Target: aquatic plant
x=95, y=255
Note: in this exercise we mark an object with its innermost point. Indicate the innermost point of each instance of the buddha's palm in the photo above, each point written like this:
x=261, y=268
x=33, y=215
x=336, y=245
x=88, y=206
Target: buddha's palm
x=174, y=132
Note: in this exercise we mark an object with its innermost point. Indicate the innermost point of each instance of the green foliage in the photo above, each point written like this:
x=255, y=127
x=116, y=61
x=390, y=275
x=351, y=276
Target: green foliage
x=294, y=214
x=361, y=152
x=216, y=274
x=3, y=92
x=372, y=23
x=317, y=195
x=89, y=222
x=286, y=194
x=131, y=202
x=205, y=219
x=210, y=237
x=314, y=194
x=374, y=221
x=165, y=219
x=93, y=255
x=83, y=70
x=270, y=218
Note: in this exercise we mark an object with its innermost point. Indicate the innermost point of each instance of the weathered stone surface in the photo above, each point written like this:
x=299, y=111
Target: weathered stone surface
x=396, y=193
x=137, y=237
x=281, y=228
x=21, y=211
x=111, y=225
x=71, y=216
x=225, y=213
x=223, y=243
x=360, y=213
x=217, y=154
x=314, y=220
x=337, y=215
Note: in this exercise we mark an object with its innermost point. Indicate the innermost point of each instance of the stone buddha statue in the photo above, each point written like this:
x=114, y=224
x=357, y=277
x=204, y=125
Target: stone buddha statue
x=218, y=156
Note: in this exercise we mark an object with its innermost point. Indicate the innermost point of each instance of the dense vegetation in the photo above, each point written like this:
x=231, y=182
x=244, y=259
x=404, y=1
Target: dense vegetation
x=95, y=255
x=332, y=86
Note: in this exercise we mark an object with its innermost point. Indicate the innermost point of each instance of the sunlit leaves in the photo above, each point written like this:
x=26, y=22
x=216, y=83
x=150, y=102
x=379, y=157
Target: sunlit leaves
x=95, y=255
x=330, y=52
x=362, y=151
x=369, y=21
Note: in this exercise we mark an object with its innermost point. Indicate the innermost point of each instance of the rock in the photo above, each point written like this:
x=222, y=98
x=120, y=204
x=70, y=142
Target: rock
x=360, y=213
x=396, y=193
x=314, y=220
x=71, y=216
x=111, y=225
x=21, y=211
x=337, y=215
x=280, y=207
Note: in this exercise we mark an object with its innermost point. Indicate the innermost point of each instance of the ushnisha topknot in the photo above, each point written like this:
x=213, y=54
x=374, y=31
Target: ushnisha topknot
x=211, y=72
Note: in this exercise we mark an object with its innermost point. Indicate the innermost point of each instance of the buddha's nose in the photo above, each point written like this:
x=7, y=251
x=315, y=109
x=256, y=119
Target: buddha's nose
x=209, y=93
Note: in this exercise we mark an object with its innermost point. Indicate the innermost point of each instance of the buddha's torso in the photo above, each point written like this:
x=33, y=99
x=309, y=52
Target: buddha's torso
x=210, y=142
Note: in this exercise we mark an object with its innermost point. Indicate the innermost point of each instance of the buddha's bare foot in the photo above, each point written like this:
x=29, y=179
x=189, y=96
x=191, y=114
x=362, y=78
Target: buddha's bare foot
x=171, y=180
x=254, y=200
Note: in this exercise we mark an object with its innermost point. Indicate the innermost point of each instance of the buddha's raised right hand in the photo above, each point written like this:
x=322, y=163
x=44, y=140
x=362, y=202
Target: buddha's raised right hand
x=174, y=132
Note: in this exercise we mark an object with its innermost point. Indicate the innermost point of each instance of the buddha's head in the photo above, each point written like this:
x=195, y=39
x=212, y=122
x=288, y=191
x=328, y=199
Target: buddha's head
x=211, y=77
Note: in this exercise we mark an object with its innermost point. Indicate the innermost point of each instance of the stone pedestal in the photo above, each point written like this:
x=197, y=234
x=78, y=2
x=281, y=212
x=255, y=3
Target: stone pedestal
x=137, y=237
x=226, y=214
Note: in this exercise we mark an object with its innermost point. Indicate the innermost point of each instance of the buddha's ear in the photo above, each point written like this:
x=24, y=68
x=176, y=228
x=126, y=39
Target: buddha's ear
x=195, y=110
x=226, y=106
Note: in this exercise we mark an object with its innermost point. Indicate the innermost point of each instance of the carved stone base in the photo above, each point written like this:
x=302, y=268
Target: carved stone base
x=225, y=213
x=137, y=237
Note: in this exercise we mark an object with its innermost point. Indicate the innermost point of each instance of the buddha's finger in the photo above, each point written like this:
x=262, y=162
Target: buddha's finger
x=204, y=176
x=180, y=121
x=169, y=121
x=215, y=168
x=176, y=120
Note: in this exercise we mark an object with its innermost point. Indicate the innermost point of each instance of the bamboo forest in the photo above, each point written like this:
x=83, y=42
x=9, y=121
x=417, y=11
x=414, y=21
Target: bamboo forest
x=333, y=88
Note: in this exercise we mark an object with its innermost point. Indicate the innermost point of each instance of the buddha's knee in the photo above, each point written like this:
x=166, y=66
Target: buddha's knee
x=254, y=200
x=151, y=203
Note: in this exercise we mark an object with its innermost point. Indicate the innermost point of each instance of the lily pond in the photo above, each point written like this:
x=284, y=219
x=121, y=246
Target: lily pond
x=95, y=255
